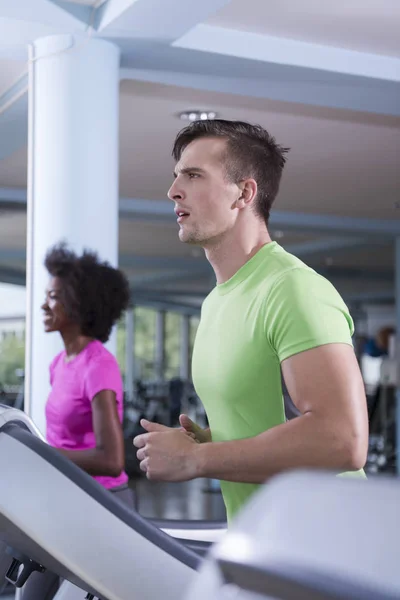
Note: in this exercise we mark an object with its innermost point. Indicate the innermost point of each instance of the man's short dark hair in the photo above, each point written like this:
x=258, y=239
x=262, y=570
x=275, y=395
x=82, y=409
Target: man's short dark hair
x=251, y=153
x=94, y=294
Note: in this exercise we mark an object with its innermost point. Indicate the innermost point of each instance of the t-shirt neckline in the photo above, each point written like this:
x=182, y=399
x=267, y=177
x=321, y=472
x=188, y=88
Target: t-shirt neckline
x=81, y=353
x=249, y=267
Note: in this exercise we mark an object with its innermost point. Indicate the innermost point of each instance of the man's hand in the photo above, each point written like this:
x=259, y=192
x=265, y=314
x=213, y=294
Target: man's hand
x=195, y=431
x=165, y=453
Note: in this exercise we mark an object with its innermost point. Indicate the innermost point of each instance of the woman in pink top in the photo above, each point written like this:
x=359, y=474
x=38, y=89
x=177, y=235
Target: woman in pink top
x=84, y=299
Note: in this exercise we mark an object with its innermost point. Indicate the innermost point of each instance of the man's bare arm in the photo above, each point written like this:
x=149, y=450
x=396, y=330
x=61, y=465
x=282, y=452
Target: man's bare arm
x=325, y=384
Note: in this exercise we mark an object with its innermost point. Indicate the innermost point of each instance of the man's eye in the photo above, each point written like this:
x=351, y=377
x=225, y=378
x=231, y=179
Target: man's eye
x=193, y=175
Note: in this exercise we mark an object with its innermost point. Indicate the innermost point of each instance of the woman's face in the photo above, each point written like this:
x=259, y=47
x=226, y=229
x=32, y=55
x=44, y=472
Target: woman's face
x=55, y=317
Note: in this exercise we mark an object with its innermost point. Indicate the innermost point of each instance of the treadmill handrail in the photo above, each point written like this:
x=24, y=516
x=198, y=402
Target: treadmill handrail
x=194, y=524
x=84, y=481
x=14, y=415
x=289, y=582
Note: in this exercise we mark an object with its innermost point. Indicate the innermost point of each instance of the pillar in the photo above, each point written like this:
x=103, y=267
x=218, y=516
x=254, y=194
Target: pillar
x=72, y=177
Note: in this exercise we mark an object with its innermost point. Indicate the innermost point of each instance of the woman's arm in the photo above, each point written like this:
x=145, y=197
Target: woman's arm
x=107, y=458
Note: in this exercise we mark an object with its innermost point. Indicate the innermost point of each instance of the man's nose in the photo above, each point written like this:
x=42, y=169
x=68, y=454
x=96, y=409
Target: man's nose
x=174, y=192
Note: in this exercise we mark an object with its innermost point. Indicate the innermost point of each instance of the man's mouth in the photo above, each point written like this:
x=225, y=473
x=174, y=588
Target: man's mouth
x=182, y=215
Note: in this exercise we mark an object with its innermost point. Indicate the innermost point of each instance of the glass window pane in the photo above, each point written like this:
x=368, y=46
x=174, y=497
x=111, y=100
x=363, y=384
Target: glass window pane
x=172, y=345
x=194, y=323
x=121, y=345
x=145, y=336
x=12, y=356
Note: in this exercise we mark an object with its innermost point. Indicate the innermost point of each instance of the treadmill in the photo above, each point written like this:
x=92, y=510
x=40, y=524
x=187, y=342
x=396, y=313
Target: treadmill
x=309, y=536
x=304, y=536
x=55, y=516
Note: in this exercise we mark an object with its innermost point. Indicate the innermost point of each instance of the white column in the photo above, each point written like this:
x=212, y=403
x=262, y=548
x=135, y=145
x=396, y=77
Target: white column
x=185, y=334
x=129, y=352
x=72, y=177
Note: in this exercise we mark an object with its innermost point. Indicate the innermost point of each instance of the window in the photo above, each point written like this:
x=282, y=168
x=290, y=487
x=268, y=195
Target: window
x=12, y=358
x=145, y=335
x=121, y=345
x=172, y=345
x=194, y=323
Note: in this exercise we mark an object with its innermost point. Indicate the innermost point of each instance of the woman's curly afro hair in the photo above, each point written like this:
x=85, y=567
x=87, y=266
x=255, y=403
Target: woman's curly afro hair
x=94, y=294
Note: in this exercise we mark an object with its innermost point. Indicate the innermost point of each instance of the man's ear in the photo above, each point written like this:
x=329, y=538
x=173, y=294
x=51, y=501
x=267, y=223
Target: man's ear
x=247, y=193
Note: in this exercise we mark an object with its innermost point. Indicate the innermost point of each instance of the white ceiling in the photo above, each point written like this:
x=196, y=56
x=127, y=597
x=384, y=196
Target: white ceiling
x=361, y=25
x=339, y=164
x=13, y=231
x=10, y=71
x=330, y=165
x=96, y=3
x=342, y=162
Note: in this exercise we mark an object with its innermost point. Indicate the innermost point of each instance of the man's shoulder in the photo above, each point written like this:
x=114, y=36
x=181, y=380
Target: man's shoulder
x=284, y=269
x=281, y=268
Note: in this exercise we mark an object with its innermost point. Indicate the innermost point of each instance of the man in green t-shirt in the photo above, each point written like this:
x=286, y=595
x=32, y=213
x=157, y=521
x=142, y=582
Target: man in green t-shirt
x=269, y=316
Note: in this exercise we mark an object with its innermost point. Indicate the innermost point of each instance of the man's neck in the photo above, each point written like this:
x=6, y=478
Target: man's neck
x=230, y=254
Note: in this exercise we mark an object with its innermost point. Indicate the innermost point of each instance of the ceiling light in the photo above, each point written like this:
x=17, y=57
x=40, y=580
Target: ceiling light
x=197, y=115
x=278, y=234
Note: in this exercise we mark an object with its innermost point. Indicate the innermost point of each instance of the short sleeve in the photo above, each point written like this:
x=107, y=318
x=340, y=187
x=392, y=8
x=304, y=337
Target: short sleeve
x=303, y=311
x=103, y=373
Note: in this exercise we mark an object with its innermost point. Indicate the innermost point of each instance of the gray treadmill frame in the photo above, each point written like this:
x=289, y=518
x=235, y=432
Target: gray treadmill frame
x=49, y=543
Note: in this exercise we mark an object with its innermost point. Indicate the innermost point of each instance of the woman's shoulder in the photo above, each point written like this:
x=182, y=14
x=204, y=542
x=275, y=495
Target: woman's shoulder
x=101, y=371
x=57, y=360
x=98, y=354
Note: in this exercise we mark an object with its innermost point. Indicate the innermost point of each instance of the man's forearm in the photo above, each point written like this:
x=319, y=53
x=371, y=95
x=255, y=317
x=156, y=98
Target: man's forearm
x=304, y=442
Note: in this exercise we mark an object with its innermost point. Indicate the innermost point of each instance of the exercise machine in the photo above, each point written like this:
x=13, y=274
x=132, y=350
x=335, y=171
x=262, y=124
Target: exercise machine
x=304, y=535
x=55, y=516
x=309, y=536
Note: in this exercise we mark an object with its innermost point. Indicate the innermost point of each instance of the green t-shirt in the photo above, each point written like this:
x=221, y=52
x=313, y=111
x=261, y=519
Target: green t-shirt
x=275, y=306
